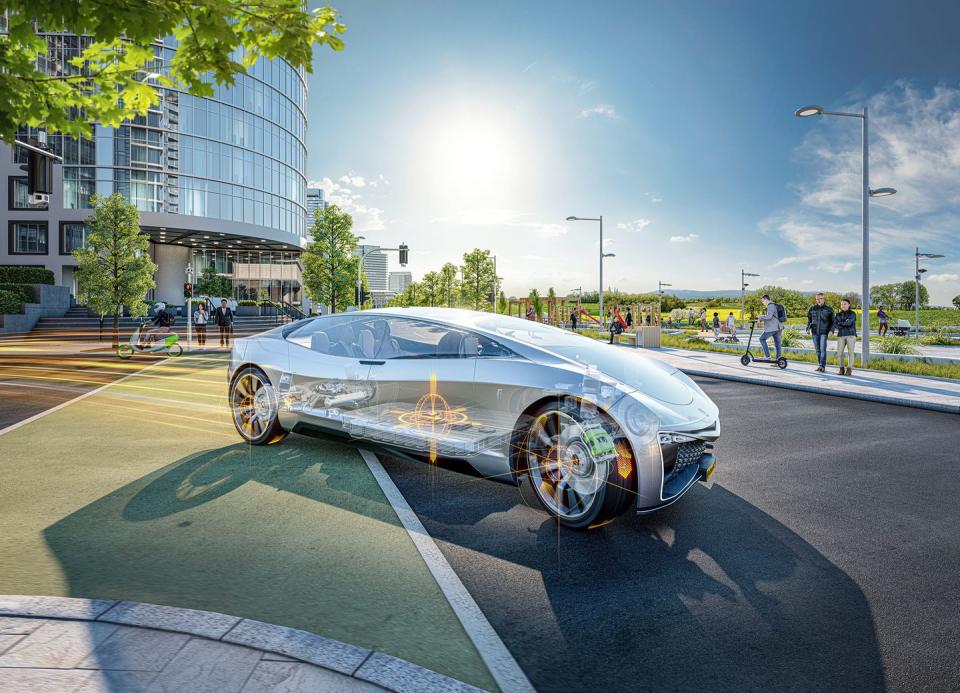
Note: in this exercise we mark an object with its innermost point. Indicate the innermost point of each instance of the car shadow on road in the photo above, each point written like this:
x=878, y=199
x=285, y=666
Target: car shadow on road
x=709, y=594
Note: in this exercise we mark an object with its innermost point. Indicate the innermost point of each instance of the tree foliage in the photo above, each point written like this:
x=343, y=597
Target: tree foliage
x=329, y=265
x=114, y=77
x=449, y=286
x=907, y=296
x=432, y=289
x=956, y=301
x=477, y=277
x=113, y=267
x=212, y=284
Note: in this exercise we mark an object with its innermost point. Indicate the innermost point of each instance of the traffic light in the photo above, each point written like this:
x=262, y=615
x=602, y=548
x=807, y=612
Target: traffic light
x=360, y=296
x=404, y=254
x=187, y=290
x=490, y=296
x=39, y=174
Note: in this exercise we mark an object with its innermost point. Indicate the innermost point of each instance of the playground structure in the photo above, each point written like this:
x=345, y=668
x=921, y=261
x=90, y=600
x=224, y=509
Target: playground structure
x=558, y=310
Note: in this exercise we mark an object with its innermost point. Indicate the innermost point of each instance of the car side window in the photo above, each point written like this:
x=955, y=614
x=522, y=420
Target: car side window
x=489, y=348
x=333, y=335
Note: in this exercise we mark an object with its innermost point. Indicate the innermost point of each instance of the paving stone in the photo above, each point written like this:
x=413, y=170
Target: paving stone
x=135, y=649
x=297, y=677
x=399, y=675
x=53, y=607
x=7, y=641
x=57, y=645
x=193, y=621
x=117, y=682
x=42, y=680
x=274, y=657
x=300, y=644
x=11, y=625
x=206, y=666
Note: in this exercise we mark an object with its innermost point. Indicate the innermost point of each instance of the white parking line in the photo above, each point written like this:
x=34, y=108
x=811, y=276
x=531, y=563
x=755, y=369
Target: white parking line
x=13, y=427
x=503, y=667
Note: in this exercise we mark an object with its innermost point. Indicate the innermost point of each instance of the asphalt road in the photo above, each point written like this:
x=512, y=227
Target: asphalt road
x=824, y=556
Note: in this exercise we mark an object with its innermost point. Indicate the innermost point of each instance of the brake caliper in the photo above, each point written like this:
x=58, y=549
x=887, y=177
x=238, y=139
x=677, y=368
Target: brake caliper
x=600, y=443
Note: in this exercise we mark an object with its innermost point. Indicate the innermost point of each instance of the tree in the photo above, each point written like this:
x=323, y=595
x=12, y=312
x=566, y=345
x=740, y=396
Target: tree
x=329, y=263
x=906, y=295
x=956, y=301
x=853, y=298
x=115, y=75
x=502, y=303
x=432, y=289
x=448, y=284
x=753, y=305
x=477, y=277
x=114, y=268
x=537, y=304
x=212, y=284
x=884, y=295
x=832, y=299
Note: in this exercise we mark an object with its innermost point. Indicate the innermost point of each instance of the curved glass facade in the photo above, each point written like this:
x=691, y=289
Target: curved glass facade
x=237, y=156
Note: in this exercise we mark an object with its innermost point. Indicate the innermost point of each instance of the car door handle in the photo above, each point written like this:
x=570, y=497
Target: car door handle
x=367, y=362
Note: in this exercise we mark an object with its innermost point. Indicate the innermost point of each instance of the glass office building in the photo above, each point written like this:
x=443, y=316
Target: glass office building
x=219, y=181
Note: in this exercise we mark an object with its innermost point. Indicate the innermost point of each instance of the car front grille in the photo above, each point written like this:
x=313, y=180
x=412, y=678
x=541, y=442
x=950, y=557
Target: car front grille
x=686, y=454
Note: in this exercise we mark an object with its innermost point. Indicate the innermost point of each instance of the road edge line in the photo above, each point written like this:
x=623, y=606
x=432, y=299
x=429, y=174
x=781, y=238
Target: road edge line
x=494, y=653
x=58, y=407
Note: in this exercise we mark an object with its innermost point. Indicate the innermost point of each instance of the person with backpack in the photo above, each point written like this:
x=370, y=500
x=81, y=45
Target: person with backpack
x=732, y=325
x=846, y=322
x=772, y=320
x=200, y=319
x=163, y=321
x=716, y=326
x=819, y=325
x=573, y=320
x=629, y=318
x=224, y=319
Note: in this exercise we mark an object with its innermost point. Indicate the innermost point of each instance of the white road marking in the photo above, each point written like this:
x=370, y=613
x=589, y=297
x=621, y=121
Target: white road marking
x=13, y=427
x=503, y=667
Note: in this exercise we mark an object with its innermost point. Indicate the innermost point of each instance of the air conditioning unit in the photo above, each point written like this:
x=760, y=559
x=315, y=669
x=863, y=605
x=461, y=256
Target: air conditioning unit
x=39, y=199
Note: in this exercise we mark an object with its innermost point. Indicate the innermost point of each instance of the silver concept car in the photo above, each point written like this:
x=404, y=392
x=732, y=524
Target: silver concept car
x=594, y=428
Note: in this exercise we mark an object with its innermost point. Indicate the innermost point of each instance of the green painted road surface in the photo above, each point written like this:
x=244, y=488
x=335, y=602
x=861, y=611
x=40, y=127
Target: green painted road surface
x=144, y=492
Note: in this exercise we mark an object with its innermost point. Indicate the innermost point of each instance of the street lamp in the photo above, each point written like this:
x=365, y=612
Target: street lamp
x=602, y=255
x=807, y=111
x=743, y=289
x=660, y=286
x=916, y=283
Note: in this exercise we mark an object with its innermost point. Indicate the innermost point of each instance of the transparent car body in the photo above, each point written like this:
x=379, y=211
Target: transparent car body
x=461, y=385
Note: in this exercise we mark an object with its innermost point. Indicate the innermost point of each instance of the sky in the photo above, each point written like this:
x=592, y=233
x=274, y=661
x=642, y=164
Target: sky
x=454, y=125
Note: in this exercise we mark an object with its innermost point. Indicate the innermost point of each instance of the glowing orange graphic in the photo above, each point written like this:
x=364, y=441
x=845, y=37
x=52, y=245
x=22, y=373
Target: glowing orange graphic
x=432, y=414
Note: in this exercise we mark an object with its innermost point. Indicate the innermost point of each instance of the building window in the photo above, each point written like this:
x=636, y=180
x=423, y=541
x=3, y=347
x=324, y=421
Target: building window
x=28, y=238
x=19, y=198
x=78, y=185
x=73, y=236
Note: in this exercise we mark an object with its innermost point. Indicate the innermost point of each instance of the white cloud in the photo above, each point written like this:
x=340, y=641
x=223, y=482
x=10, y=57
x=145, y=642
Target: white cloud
x=806, y=282
x=781, y=280
x=512, y=218
x=785, y=261
x=944, y=278
x=834, y=267
x=636, y=225
x=653, y=197
x=689, y=238
x=915, y=148
x=588, y=86
x=343, y=195
x=601, y=109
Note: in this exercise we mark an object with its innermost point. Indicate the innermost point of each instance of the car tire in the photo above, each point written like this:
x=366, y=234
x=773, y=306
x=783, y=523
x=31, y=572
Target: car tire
x=254, y=407
x=578, y=463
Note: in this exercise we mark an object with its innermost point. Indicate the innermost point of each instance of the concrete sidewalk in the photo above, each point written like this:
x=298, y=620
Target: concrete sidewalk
x=938, y=394
x=93, y=645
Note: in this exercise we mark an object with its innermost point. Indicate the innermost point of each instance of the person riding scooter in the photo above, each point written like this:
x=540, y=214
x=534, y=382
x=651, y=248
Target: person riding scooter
x=163, y=320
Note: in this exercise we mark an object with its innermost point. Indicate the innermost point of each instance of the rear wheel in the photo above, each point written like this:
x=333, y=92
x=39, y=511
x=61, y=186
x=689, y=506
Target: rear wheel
x=124, y=351
x=782, y=362
x=174, y=350
x=580, y=470
x=254, y=406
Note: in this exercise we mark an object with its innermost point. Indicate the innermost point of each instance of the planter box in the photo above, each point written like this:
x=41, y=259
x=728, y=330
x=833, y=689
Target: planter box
x=248, y=310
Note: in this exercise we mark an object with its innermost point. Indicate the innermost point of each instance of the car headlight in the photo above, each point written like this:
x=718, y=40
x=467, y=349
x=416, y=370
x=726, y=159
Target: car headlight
x=671, y=438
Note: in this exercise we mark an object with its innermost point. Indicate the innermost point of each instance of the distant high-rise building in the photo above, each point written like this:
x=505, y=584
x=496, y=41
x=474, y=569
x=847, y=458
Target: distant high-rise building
x=374, y=267
x=399, y=281
x=315, y=200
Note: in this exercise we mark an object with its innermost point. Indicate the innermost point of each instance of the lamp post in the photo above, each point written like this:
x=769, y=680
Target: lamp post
x=916, y=282
x=743, y=290
x=660, y=286
x=807, y=111
x=189, y=272
x=602, y=255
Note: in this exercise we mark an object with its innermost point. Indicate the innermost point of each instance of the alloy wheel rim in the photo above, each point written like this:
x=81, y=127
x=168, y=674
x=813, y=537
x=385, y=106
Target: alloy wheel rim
x=565, y=475
x=253, y=409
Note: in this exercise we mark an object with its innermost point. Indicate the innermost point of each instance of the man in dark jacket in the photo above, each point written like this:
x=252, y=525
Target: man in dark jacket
x=819, y=324
x=223, y=316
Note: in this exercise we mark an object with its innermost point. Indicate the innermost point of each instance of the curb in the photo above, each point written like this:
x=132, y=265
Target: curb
x=882, y=399
x=387, y=671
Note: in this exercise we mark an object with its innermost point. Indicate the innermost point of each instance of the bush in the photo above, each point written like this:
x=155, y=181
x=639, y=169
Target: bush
x=24, y=291
x=694, y=339
x=791, y=338
x=895, y=345
x=25, y=275
x=246, y=303
x=939, y=338
x=10, y=303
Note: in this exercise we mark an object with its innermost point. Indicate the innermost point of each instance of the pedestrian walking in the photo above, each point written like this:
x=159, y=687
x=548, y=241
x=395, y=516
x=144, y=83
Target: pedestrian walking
x=531, y=313
x=629, y=318
x=884, y=321
x=573, y=320
x=703, y=319
x=224, y=320
x=846, y=322
x=200, y=319
x=716, y=325
x=232, y=305
x=820, y=319
x=772, y=327
x=690, y=316
x=732, y=325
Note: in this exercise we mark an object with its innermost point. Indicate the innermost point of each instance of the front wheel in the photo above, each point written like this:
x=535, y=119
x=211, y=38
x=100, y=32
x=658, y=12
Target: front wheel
x=782, y=362
x=745, y=360
x=124, y=351
x=579, y=466
x=254, y=406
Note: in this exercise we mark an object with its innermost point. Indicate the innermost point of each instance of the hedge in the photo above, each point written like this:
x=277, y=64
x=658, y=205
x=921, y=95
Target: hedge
x=24, y=291
x=25, y=275
x=246, y=303
x=10, y=303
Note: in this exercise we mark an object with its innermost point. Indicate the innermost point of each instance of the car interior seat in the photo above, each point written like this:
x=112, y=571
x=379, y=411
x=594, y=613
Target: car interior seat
x=470, y=346
x=449, y=345
x=320, y=342
x=367, y=344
